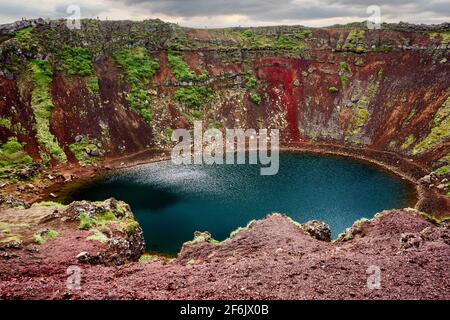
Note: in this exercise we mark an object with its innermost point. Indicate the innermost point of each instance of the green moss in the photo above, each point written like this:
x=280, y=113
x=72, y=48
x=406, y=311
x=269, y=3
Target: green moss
x=344, y=72
x=51, y=204
x=42, y=105
x=194, y=97
x=359, y=62
x=433, y=219
x=76, y=61
x=181, y=70
x=131, y=226
x=355, y=41
x=43, y=237
x=444, y=36
x=361, y=113
x=442, y=171
x=147, y=258
x=98, y=236
x=79, y=150
x=240, y=229
x=85, y=221
x=333, y=90
x=248, y=39
x=5, y=122
x=350, y=233
x=25, y=39
x=408, y=142
x=440, y=131
x=256, y=99
x=251, y=82
x=362, y=116
x=202, y=237
x=140, y=69
x=12, y=156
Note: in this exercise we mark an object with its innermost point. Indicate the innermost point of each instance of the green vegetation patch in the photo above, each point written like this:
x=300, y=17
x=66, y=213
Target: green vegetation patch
x=147, y=258
x=41, y=102
x=140, y=68
x=50, y=204
x=355, y=41
x=84, y=150
x=98, y=236
x=194, y=97
x=181, y=70
x=408, y=142
x=344, y=72
x=105, y=220
x=256, y=98
x=442, y=171
x=5, y=122
x=78, y=62
x=433, y=219
x=440, y=131
x=42, y=237
x=445, y=36
x=240, y=229
x=361, y=112
x=12, y=157
x=25, y=39
x=333, y=90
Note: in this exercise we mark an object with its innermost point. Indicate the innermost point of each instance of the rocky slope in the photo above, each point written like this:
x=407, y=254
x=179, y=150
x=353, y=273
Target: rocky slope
x=274, y=258
x=110, y=94
x=118, y=87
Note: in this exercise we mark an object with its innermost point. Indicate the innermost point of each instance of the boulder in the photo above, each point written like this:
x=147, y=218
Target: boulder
x=318, y=229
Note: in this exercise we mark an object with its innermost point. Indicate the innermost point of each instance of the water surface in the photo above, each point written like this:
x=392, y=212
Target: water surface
x=171, y=202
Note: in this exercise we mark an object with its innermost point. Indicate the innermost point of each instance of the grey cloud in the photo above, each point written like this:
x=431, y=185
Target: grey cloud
x=265, y=10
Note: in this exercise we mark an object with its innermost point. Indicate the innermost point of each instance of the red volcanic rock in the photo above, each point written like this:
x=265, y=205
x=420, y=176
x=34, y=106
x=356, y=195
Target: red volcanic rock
x=273, y=259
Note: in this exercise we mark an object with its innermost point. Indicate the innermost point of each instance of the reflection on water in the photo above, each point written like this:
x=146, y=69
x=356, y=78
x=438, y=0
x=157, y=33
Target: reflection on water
x=172, y=202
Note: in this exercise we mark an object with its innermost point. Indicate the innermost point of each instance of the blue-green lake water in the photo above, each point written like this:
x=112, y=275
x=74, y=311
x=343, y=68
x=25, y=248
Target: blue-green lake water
x=171, y=202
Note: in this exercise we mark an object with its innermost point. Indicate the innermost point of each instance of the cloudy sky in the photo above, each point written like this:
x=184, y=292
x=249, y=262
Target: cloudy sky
x=224, y=13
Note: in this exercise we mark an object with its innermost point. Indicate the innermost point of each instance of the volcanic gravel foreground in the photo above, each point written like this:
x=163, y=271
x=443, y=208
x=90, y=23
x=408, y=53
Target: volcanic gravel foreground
x=273, y=258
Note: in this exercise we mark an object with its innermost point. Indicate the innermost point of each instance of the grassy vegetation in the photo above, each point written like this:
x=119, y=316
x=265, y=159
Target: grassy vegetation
x=361, y=112
x=181, y=70
x=147, y=258
x=79, y=150
x=105, y=219
x=445, y=36
x=5, y=122
x=51, y=204
x=284, y=42
x=12, y=156
x=256, y=98
x=442, y=171
x=248, y=39
x=251, y=82
x=292, y=41
x=408, y=142
x=355, y=41
x=194, y=97
x=344, y=72
x=43, y=237
x=435, y=220
x=440, y=131
x=42, y=105
x=98, y=236
x=78, y=62
x=333, y=90
x=235, y=232
x=24, y=39
x=140, y=69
